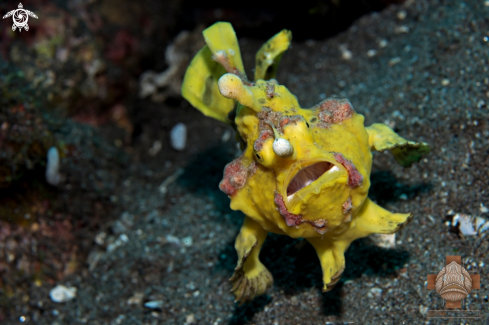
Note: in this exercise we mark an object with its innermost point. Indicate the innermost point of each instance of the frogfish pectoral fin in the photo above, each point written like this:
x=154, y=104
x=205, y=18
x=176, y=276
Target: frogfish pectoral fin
x=381, y=138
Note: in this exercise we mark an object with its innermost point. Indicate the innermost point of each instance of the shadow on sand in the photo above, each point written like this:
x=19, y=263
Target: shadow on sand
x=295, y=268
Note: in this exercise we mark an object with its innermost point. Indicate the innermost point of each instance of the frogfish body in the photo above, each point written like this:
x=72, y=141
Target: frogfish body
x=303, y=172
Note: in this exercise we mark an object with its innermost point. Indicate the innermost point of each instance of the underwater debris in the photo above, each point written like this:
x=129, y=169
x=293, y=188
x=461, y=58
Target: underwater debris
x=160, y=85
x=178, y=136
x=470, y=226
x=317, y=188
x=61, y=293
x=163, y=188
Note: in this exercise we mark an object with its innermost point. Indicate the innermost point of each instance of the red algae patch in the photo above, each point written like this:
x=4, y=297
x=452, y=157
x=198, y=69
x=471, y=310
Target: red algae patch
x=264, y=135
x=355, y=179
x=290, y=120
x=319, y=225
x=290, y=219
x=335, y=110
x=235, y=176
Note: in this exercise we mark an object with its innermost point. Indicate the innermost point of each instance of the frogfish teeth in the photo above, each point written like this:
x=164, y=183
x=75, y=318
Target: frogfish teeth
x=303, y=172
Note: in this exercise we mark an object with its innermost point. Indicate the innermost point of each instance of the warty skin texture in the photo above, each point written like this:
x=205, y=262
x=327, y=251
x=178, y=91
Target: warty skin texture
x=316, y=190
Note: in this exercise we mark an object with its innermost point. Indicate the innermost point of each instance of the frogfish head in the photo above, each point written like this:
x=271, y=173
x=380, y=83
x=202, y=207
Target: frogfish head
x=320, y=156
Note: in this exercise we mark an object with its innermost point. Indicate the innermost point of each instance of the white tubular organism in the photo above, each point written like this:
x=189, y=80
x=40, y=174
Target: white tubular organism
x=53, y=177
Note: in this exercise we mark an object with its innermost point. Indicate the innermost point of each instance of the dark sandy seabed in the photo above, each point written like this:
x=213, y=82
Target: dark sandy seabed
x=425, y=74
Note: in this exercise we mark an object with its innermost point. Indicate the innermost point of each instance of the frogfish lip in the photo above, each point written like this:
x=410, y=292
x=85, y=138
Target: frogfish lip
x=306, y=175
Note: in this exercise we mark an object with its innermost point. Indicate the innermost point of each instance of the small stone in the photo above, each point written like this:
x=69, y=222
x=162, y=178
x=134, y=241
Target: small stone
x=136, y=299
x=371, y=53
x=226, y=136
x=124, y=238
x=383, y=43
x=60, y=293
x=190, y=319
x=345, y=53
x=394, y=61
x=172, y=240
x=445, y=82
x=483, y=209
x=401, y=29
x=155, y=304
x=423, y=310
x=401, y=15
x=117, y=243
x=187, y=241
x=178, y=136
x=375, y=293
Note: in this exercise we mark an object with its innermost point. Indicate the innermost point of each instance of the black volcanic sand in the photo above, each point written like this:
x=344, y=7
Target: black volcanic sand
x=425, y=75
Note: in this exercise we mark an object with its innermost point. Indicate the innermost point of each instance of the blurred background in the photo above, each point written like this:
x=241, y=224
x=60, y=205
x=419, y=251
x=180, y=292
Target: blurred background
x=124, y=210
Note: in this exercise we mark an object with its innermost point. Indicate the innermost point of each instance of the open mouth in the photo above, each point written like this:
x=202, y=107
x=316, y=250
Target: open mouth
x=307, y=175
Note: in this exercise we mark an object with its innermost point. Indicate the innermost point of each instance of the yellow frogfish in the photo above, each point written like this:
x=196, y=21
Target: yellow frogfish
x=303, y=172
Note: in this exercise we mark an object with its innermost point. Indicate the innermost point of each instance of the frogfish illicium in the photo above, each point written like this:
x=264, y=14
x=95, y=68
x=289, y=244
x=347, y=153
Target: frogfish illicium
x=303, y=172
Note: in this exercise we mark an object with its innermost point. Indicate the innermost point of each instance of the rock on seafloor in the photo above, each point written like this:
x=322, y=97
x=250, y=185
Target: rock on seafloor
x=61, y=293
x=178, y=136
